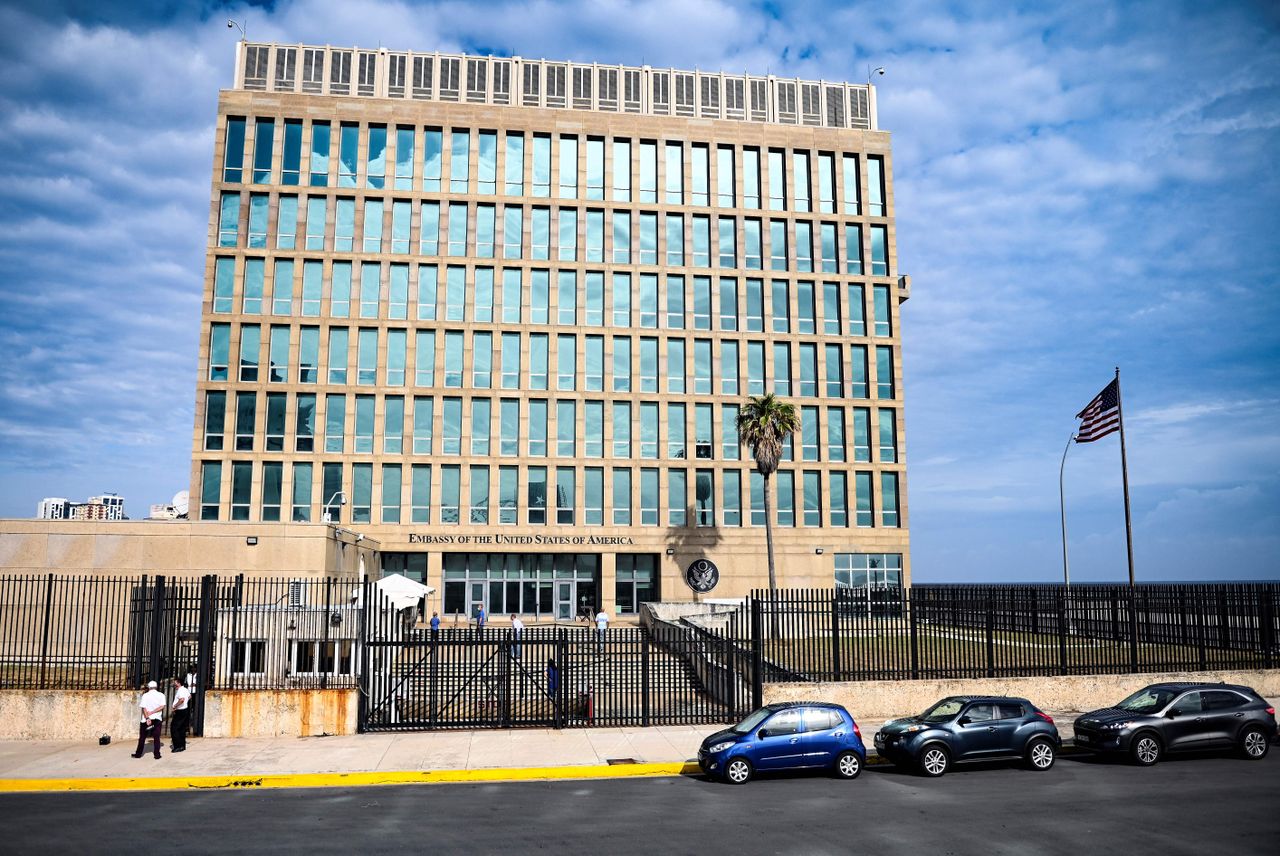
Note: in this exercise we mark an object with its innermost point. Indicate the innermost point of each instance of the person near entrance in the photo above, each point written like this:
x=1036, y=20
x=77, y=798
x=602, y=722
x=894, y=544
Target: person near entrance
x=151, y=708
x=517, y=630
x=180, y=715
x=435, y=627
x=479, y=628
x=602, y=624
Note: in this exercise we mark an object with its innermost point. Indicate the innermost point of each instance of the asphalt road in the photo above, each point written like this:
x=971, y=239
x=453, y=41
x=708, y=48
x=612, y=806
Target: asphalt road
x=1206, y=805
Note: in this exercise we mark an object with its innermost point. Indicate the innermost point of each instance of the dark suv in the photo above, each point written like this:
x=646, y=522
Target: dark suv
x=971, y=728
x=1178, y=717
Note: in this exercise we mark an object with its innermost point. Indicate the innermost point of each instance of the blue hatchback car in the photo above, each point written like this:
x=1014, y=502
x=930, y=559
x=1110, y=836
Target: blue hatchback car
x=786, y=736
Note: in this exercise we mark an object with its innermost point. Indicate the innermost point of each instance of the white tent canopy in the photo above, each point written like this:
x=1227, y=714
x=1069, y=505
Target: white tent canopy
x=399, y=590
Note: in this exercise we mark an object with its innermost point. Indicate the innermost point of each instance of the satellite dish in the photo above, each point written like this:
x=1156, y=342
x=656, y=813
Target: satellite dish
x=181, y=500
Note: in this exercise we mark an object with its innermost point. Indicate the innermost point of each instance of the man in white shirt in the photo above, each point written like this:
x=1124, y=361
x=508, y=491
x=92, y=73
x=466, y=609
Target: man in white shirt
x=517, y=630
x=151, y=710
x=602, y=624
x=180, y=712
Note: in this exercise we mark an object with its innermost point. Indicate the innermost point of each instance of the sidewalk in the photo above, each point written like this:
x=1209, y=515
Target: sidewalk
x=382, y=758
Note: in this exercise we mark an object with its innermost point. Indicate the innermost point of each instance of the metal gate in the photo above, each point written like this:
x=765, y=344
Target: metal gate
x=557, y=677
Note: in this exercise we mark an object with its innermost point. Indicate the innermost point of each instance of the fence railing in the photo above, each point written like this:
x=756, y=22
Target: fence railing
x=1005, y=631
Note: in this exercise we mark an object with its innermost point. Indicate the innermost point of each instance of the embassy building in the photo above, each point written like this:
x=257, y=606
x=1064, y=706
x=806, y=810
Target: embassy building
x=498, y=315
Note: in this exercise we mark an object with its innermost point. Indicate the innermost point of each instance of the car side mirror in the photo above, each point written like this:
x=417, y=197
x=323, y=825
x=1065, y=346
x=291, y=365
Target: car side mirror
x=764, y=732
x=964, y=720
x=1174, y=712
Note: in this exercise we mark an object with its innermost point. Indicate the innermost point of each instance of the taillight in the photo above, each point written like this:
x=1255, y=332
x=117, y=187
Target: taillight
x=857, y=730
x=1271, y=710
x=1046, y=717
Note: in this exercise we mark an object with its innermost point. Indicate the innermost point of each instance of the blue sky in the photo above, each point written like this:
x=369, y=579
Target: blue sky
x=1078, y=187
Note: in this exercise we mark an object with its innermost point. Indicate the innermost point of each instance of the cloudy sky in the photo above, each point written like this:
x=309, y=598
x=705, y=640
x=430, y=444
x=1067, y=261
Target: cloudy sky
x=1077, y=188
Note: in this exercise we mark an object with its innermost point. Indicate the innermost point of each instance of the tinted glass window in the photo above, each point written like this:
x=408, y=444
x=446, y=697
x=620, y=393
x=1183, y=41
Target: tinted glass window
x=821, y=719
x=980, y=712
x=1190, y=703
x=1010, y=711
x=784, y=722
x=1221, y=700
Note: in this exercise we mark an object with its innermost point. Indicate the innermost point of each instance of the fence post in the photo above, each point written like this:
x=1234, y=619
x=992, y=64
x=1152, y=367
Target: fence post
x=1265, y=628
x=1133, y=630
x=362, y=697
x=730, y=679
x=204, y=650
x=757, y=655
x=990, y=634
x=157, y=628
x=44, y=637
x=835, y=638
x=504, y=679
x=1062, y=632
x=324, y=673
x=237, y=603
x=562, y=662
x=911, y=601
x=1200, y=621
x=644, y=678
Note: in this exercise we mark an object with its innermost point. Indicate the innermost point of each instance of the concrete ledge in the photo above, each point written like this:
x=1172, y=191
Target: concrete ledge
x=72, y=715
x=879, y=700
x=345, y=780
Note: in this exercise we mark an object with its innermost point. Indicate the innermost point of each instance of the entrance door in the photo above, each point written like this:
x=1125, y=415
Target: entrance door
x=477, y=599
x=564, y=601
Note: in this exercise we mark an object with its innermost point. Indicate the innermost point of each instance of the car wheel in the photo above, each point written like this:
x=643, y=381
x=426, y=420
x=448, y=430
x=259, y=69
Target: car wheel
x=1040, y=754
x=1254, y=744
x=848, y=765
x=1146, y=750
x=738, y=771
x=934, y=761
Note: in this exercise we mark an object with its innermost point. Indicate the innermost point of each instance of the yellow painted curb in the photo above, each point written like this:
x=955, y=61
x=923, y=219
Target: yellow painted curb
x=340, y=780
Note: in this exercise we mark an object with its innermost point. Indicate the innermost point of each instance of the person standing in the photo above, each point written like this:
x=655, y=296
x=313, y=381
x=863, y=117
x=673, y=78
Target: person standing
x=517, y=630
x=180, y=715
x=435, y=627
x=602, y=624
x=480, y=622
x=151, y=709
x=190, y=681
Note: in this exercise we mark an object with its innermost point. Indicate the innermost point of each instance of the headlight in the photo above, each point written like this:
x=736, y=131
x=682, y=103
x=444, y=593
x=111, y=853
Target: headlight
x=720, y=747
x=912, y=729
x=1116, y=726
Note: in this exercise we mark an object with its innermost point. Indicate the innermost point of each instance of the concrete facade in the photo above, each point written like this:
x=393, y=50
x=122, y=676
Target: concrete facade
x=272, y=278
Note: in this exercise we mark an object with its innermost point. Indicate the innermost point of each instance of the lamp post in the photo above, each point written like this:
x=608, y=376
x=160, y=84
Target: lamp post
x=1062, y=508
x=341, y=499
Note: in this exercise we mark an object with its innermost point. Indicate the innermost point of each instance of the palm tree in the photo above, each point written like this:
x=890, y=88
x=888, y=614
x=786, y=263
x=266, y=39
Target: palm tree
x=764, y=424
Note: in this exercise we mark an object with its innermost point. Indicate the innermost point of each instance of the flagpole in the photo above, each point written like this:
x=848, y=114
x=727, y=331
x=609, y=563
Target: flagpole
x=1124, y=471
x=1062, y=506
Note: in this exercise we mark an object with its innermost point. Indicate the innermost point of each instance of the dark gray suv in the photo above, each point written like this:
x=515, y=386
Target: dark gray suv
x=1176, y=717
x=970, y=728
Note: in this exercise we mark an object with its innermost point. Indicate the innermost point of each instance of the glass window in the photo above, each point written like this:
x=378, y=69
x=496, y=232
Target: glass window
x=729, y=367
x=376, y=162
x=593, y=496
x=677, y=497
x=675, y=431
x=755, y=368
x=567, y=297
x=800, y=167
x=393, y=425
x=390, y=493
x=210, y=489
x=450, y=493
x=541, y=165
x=853, y=249
x=649, y=496
x=335, y=420
x=700, y=179
x=702, y=366
x=566, y=361
x=595, y=236
x=301, y=512
x=811, y=489
x=344, y=229
x=648, y=429
x=370, y=289
x=513, y=166
x=538, y=428
x=487, y=163
x=338, y=355
x=889, y=500
x=420, y=494
x=858, y=376
x=233, y=151
x=317, y=221
x=511, y=296
x=724, y=176
x=263, y=143
x=732, y=504
x=622, y=237
x=728, y=242
x=537, y=491
x=485, y=231
x=241, y=489
x=622, y=364
x=275, y=423
x=835, y=434
x=883, y=325
x=567, y=247
x=482, y=360
x=621, y=429
x=568, y=167
x=479, y=477
x=728, y=303
x=875, y=186
x=849, y=171
x=777, y=245
x=804, y=246
x=809, y=425
x=622, y=300
x=593, y=429
x=510, y=361
x=701, y=228
x=287, y=223
x=566, y=428
x=229, y=220
x=862, y=434
x=319, y=166
x=675, y=365
x=250, y=351
x=674, y=183
x=538, y=359
x=864, y=512
x=648, y=238
x=838, y=493
x=459, y=160
x=835, y=371
x=752, y=250
x=566, y=495
x=622, y=496
x=539, y=296
x=621, y=171
x=404, y=158
x=777, y=181
x=308, y=354
x=675, y=240
x=888, y=436
x=808, y=369
x=348, y=144
x=215, y=420
x=509, y=427
x=424, y=369
x=367, y=357
x=648, y=300
x=675, y=302
x=423, y=416
x=258, y=210
x=648, y=171
x=884, y=372
x=826, y=183
x=595, y=168
x=363, y=443
x=451, y=426
x=755, y=483
x=786, y=480
x=508, y=495
x=453, y=341
x=278, y=355
x=750, y=178
x=593, y=358
x=879, y=251
x=648, y=365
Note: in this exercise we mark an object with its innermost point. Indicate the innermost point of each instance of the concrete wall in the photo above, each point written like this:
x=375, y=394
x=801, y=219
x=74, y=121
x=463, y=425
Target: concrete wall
x=81, y=715
x=874, y=700
x=180, y=548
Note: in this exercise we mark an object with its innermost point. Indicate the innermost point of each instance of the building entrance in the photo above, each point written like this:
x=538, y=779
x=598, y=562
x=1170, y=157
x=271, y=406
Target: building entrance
x=545, y=586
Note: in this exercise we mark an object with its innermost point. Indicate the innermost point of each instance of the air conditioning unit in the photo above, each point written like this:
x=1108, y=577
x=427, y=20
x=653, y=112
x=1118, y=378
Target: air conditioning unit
x=297, y=593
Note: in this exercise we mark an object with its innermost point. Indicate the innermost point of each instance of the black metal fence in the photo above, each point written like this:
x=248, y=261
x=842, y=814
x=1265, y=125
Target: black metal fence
x=549, y=676
x=1006, y=631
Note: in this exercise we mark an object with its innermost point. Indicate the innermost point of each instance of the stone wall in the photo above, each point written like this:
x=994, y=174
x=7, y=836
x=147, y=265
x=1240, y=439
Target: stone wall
x=874, y=700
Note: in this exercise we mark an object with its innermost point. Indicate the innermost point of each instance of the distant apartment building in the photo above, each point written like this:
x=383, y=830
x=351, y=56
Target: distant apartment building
x=108, y=506
x=500, y=314
x=54, y=508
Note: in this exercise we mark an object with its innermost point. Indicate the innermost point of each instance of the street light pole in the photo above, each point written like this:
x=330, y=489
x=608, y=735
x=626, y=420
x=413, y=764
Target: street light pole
x=1062, y=507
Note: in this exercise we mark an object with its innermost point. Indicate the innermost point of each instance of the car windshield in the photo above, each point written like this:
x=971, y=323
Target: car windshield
x=1147, y=701
x=753, y=719
x=943, y=710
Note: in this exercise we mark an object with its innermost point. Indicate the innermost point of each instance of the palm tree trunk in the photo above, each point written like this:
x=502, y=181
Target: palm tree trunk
x=773, y=576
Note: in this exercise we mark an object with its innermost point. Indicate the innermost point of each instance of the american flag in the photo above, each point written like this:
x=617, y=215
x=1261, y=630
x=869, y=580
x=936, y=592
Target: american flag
x=1101, y=416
